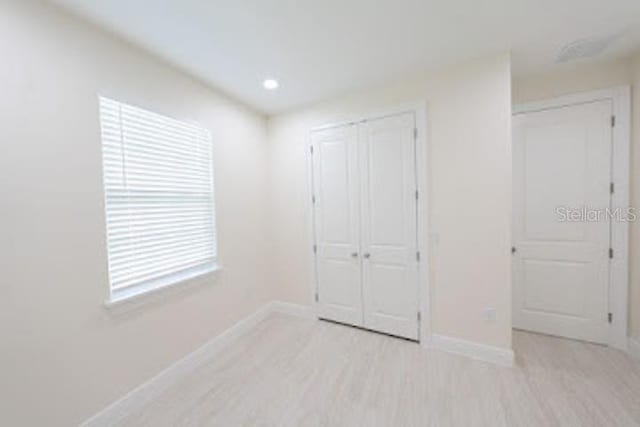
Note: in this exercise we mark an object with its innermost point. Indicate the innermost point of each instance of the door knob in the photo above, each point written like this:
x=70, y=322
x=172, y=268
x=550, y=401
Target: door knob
x=367, y=255
x=354, y=255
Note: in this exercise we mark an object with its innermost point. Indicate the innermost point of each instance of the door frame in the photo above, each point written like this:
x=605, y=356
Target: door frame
x=419, y=109
x=618, y=285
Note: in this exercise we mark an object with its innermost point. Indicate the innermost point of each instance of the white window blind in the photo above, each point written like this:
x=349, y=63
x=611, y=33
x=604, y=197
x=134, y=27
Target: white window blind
x=160, y=213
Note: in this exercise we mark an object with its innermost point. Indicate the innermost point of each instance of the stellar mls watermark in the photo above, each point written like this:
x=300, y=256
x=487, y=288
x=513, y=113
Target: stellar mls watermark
x=585, y=214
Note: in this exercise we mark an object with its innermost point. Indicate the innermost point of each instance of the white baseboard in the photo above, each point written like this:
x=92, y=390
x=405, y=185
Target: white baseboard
x=149, y=390
x=634, y=347
x=486, y=353
x=292, y=309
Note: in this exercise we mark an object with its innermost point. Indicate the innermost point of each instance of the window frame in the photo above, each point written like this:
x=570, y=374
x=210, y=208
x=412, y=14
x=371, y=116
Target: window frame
x=179, y=277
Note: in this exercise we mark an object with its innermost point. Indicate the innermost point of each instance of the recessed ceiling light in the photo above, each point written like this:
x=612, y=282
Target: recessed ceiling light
x=270, y=84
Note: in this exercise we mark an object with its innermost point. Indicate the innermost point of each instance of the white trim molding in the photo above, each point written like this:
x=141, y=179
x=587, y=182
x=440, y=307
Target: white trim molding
x=116, y=412
x=486, y=353
x=634, y=347
x=137, y=398
x=620, y=176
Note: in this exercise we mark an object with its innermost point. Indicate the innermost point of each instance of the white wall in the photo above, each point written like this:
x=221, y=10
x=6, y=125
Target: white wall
x=63, y=356
x=581, y=78
x=634, y=229
x=469, y=111
x=571, y=79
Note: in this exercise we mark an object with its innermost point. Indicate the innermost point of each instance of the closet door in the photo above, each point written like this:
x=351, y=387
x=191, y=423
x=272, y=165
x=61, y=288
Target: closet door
x=337, y=223
x=389, y=239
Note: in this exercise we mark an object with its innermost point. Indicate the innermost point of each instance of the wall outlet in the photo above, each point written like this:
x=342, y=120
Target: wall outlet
x=489, y=314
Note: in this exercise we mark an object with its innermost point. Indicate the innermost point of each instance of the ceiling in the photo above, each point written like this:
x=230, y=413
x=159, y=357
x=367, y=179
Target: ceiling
x=319, y=48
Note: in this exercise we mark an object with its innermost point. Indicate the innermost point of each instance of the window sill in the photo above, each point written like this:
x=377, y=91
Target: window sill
x=136, y=295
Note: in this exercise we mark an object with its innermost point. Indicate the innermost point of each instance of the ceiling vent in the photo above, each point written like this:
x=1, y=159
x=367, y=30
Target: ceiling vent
x=584, y=48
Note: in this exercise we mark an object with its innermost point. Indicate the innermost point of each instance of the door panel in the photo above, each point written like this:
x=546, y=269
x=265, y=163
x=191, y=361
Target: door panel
x=562, y=161
x=554, y=287
x=336, y=213
x=388, y=183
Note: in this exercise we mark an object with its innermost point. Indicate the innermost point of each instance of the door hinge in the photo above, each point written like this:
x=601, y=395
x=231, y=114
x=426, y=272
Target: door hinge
x=415, y=133
x=612, y=188
x=317, y=299
x=513, y=249
x=311, y=149
x=613, y=121
x=419, y=316
x=313, y=199
x=418, y=256
x=610, y=253
x=315, y=249
x=610, y=317
x=417, y=194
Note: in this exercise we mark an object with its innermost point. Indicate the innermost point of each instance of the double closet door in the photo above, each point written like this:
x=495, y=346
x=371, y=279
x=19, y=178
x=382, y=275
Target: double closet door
x=365, y=219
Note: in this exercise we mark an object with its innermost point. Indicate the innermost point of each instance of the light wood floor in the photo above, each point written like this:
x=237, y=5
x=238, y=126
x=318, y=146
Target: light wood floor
x=297, y=372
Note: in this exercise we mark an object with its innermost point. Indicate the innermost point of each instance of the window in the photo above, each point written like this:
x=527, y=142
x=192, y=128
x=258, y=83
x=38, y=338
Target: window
x=160, y=213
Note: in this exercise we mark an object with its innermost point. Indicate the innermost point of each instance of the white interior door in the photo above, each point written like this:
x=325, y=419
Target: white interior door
x=337, y=224
x=389, y=230
x=562, y=161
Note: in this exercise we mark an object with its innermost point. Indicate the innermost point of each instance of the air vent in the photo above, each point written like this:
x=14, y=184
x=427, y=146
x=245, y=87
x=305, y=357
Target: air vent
x=585, y=48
